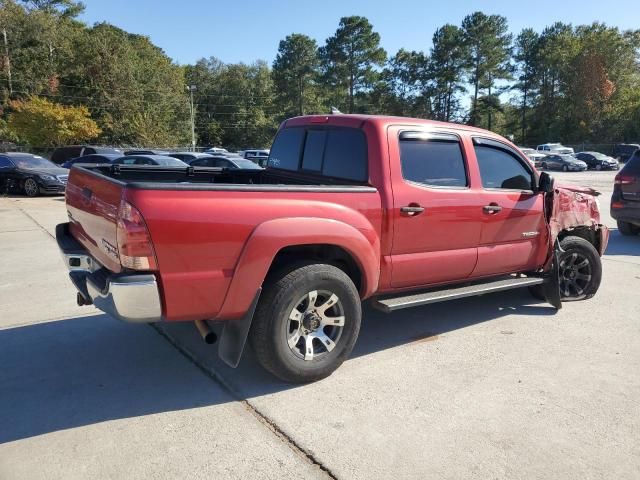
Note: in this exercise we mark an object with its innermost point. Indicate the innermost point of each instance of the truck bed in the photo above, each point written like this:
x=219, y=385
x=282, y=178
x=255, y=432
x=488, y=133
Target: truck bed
x=204, y=178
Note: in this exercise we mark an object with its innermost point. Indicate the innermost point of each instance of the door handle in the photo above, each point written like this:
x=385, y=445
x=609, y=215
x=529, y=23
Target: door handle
x=412, y=210
x=492, y=208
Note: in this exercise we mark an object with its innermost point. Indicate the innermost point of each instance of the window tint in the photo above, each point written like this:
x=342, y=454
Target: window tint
x=499, y=169
x=285, y=152
x=5, y=163
x=314, y=150
x=202, y=162
x=88, y=151
x=433, y=162
x=345, y=154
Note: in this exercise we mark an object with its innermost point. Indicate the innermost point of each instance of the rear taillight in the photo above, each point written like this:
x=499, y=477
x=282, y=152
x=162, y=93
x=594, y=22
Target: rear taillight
x=134, y=242
x=623, y=179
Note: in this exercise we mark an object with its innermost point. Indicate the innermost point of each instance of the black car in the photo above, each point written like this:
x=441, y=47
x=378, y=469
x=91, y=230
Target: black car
x=63, y=154
x=149, y=160
x=31, y=175
x=598, y=161
x=145, y=152
x=225, y=161
x=96, y=158
x=188, y=157
x=625, y=201
x=623, y=151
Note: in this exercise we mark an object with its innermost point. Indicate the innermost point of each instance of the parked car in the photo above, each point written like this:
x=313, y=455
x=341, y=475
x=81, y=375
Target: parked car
x=95, y=158
x=557, y=148
x=163, y=160
x=533, y=155
x=31, y=174
x=598, y=161
x=188, y=157
x=62, y=154
x=256, y=155
x=145, y=152
x=623, y=151
x=216, y=150
x=225, y=161
x=625, y=200
x=345, y=211
x=566, y=163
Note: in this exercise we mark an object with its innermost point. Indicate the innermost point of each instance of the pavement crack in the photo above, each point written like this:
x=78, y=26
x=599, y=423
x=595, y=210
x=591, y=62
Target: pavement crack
x=34, y=221
x=260, y=416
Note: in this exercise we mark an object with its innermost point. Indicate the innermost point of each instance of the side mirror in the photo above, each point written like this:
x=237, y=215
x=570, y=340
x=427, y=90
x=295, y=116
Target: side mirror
x=545, y=183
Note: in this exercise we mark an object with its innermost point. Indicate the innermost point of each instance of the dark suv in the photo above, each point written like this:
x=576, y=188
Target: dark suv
x=62, y=154
x=625, y=201
x=623, y=151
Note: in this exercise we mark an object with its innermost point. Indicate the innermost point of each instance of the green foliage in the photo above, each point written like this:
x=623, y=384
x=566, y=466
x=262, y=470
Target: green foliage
x=489, y=47
x=295, y=75
x=349, y=59
x=41, y=123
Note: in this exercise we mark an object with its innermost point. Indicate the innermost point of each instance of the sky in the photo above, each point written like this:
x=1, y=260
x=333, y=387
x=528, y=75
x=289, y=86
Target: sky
x=245, y=31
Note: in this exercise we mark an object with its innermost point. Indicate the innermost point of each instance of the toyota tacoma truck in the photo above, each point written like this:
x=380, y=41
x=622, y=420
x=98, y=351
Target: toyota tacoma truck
x=399, y=212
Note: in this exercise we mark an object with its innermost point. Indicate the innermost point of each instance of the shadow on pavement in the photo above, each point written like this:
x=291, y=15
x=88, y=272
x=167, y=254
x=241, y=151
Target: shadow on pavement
x=623, y=245
x=81, y=371
x=76, y=372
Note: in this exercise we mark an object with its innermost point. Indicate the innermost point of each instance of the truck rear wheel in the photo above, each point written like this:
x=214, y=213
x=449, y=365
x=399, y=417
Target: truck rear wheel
x=306, y=323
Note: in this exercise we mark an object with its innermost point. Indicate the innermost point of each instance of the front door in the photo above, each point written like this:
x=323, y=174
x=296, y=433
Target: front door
x=437, y=218
x=514, y=231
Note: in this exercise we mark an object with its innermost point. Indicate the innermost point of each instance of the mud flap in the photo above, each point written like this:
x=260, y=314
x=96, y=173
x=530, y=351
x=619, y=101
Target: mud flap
x=234, y=335
x=551, y=285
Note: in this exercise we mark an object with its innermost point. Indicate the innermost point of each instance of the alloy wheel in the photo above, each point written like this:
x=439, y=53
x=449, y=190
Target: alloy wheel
x=575, y=274
x=315, y=325
x=30, y=187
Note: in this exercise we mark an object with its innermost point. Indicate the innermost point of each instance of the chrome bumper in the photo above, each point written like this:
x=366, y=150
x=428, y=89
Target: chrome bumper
x=127, y=297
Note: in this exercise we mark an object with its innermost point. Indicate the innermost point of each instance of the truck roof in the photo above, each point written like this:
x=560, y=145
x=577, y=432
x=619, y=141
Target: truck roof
x=377, y=120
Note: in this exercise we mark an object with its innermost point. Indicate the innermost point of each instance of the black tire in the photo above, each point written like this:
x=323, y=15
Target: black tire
x=574, y=251
x=585, y=249
x=626, y=228
x=31, y=188
x=271, y=329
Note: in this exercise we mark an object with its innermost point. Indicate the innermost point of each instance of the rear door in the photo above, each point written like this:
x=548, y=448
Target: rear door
x=514, y=230
x=437, y=217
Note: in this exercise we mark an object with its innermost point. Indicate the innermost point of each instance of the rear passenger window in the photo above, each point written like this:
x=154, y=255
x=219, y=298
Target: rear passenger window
x=436, y=161
x=500, y=169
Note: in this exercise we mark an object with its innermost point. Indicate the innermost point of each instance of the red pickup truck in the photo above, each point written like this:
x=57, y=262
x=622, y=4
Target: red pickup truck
x=403, y=212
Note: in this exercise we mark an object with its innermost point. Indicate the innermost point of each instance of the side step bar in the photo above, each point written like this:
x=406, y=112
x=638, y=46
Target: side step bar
x=392, y=304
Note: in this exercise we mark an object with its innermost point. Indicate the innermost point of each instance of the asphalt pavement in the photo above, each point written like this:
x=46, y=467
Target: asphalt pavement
x=498, y=386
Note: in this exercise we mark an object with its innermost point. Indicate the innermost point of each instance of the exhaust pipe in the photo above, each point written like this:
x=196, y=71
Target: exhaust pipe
x=207, y=335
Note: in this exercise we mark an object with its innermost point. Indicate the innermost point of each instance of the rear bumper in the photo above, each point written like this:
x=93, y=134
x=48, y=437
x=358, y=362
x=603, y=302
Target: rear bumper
x=125, y=296
x=624, y=210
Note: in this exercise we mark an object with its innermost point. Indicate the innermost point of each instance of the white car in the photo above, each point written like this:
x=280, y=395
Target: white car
x=555, y=148
x=534, y=156
x=217, y=150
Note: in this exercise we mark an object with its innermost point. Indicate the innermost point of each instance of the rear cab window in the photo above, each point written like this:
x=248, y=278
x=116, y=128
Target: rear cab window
x=337, y=152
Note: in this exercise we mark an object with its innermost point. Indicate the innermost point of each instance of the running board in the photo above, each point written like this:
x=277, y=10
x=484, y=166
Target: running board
x=396, y=303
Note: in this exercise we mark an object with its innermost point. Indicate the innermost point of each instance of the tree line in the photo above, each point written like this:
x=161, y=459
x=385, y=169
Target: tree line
x=566, y=83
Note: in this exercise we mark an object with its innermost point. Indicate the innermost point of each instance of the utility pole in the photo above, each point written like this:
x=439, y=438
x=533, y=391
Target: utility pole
x=191, y=89
x=7, y=60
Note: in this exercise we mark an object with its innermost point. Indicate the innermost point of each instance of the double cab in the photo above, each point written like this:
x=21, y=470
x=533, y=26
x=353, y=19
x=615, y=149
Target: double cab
x=399, y=212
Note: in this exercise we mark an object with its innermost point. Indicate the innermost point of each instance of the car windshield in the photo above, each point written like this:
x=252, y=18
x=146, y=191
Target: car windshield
x=33, y=162
x=248, y=164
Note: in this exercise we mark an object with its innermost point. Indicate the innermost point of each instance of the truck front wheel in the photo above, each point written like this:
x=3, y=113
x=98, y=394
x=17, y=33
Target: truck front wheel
x=306, y=323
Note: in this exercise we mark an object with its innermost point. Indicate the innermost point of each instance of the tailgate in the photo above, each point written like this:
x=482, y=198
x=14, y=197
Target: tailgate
x=92, y=206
